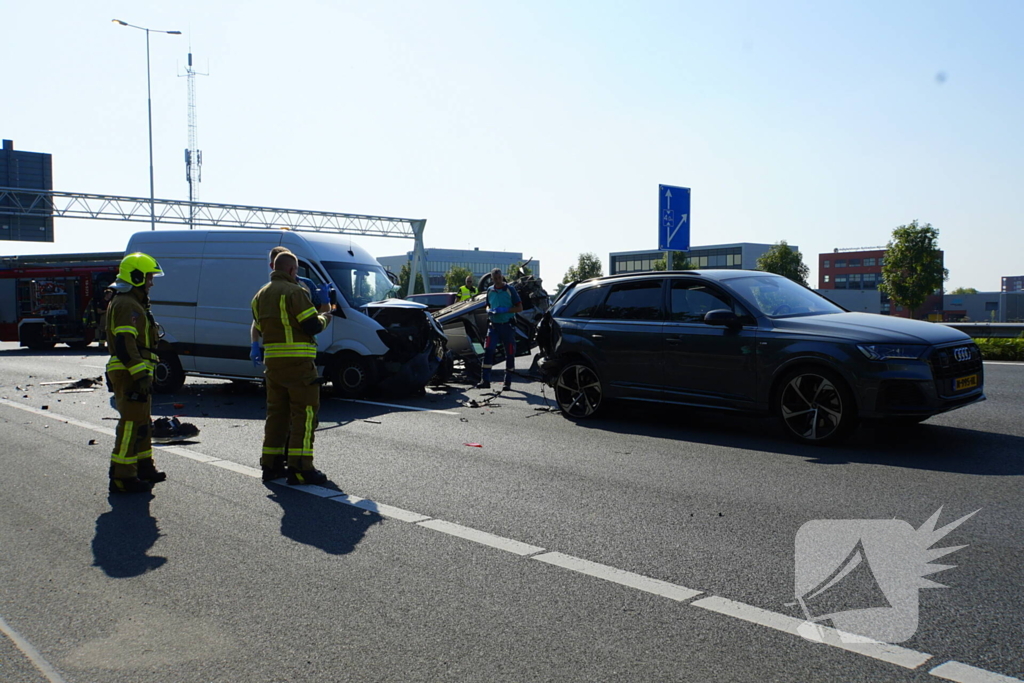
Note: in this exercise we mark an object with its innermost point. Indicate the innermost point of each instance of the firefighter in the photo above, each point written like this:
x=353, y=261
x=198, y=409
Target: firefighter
x=132, y=337
x=288, y=322
x=468, y=290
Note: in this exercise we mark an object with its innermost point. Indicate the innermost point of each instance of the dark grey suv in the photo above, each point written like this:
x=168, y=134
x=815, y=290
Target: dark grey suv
x=753, y=342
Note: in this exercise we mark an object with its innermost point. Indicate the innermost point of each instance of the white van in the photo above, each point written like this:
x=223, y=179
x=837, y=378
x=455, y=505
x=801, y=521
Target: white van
x=211, y=276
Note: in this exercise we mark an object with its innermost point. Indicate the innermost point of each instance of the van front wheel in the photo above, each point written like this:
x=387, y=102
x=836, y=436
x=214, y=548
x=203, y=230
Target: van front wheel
x=352, y=375
x=168, y=376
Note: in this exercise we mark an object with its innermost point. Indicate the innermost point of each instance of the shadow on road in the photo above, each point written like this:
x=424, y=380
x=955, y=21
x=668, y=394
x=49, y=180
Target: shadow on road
x=124, y=535
x=925, y=446
x=333, y=527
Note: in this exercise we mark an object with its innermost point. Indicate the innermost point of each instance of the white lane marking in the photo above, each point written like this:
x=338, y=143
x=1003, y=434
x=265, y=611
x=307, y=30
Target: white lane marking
x=236, y=467
x=883, y=651
x=1004, y=362
x=964, y=673
x=482, y=537
x=381, y=509
x=395, y=405
x=909, y=659
x=620, y=576
x=30, y=652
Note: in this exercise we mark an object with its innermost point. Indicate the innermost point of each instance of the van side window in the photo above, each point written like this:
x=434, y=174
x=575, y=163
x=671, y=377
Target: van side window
x=306, y=271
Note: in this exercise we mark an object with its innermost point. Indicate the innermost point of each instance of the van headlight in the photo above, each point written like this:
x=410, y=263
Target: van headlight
x=892, y=351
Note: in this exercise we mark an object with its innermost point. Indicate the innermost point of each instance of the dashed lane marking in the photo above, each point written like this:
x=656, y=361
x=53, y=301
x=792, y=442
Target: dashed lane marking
x=963, y=673
x=909, y=659
x=31, y=653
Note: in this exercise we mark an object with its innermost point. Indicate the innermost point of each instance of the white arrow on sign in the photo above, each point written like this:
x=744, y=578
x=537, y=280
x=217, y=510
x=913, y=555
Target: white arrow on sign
x=672, y=236
x=668, y=195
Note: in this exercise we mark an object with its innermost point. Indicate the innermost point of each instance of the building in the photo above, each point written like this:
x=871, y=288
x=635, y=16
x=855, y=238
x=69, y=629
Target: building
x=739, y=255
x=860, y=268
x=28, y=171
x=983, y=307
x=440, y=261
x=1014, y=283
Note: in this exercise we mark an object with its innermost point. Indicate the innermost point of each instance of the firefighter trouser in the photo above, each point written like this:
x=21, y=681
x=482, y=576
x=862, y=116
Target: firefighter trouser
x=293, y=401
x=133, y=441
x=505, y=334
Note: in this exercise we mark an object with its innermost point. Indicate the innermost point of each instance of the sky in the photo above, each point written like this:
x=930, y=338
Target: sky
x=545, y=126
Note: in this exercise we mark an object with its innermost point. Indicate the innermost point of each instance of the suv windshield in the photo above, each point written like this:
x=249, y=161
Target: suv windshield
x=780, y=297
x=359, y=283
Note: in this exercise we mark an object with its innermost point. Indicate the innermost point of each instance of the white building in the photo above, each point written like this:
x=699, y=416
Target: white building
x=440, y=261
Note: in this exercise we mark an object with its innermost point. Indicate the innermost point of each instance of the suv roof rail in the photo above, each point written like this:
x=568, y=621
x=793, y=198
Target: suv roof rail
x=647, y=272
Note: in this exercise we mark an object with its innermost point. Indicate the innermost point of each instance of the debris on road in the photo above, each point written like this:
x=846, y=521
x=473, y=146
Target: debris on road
x=373, y=422
x=92, y=442
x=170, y=430
x=44, y=407
x=474, y=445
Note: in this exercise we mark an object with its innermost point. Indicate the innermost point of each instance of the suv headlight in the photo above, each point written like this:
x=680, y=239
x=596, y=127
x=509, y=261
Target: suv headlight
x=892, y=351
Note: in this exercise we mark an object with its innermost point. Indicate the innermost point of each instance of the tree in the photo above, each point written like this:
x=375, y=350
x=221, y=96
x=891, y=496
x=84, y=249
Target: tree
x=913, y=265
x=517, y=270
x=782, y=260
x=588, y=266
x=403, y=282
x=964, y=290
x=679, y=262
x=455, y=278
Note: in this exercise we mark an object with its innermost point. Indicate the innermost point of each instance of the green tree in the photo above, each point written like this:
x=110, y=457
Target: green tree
x=455, y=278
x=588, y=266
x=964, y=290
x=403, y=282
x=679, y=262
x=518, y=270
x=782, y=260
x=913, y=266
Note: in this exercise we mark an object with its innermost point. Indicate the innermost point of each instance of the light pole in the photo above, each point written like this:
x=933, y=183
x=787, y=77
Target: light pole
x=149, y=99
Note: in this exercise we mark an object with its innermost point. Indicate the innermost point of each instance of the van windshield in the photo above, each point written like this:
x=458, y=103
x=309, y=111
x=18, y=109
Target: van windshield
x=360, y=283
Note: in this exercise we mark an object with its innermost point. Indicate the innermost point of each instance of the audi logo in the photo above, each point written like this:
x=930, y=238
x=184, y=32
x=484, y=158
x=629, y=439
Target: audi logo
x=962, y=354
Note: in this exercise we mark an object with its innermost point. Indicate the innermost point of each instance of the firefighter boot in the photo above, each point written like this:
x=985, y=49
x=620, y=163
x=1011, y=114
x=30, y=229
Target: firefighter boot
x=303, y=477
x=148, y=472
x=278, y=470
x=130, y=485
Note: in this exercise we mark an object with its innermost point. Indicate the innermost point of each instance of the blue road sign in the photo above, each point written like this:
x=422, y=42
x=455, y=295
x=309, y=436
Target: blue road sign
x=673, y=218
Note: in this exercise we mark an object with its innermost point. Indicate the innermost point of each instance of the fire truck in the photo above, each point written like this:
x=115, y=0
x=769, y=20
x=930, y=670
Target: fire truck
x=55, y=298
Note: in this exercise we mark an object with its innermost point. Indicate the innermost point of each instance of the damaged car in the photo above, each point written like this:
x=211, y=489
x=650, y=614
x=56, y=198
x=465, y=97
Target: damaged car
x=465, y=323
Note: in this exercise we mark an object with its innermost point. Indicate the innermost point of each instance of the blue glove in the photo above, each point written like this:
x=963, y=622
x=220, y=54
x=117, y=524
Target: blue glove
x=256, y=354
x=499, y=310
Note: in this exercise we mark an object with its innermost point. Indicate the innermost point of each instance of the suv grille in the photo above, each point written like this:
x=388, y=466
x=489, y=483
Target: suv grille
x=950, y=363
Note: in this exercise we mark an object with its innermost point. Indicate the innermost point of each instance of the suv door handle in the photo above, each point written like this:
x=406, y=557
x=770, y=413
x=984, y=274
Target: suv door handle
x=675, y=340
x=597, y=336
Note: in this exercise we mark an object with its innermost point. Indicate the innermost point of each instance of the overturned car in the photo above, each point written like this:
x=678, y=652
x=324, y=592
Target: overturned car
x=465, y=323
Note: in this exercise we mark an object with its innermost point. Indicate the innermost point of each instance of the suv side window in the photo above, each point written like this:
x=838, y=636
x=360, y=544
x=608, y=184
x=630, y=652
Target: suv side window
x=584, y=304
x=692, y=299
x=633, y=301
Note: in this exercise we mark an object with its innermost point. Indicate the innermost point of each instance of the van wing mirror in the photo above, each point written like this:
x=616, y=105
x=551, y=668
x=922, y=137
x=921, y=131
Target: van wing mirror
x=722, y=317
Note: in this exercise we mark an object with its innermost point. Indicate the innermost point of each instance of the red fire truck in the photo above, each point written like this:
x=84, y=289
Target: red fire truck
x=56, y=298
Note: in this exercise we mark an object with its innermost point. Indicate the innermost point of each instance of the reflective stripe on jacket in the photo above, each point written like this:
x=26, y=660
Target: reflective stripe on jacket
x=127, y=315
x=279, y=309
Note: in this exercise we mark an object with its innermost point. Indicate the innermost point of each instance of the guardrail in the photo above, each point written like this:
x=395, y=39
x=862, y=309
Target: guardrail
x=989, y=330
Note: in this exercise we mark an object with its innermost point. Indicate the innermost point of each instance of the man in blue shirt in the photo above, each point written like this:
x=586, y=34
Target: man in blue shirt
x=503, y=303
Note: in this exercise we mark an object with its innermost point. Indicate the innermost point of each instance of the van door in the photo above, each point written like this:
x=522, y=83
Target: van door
x=235, y=266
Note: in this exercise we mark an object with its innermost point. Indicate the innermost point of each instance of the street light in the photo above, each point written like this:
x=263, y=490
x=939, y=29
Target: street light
x=149, y=98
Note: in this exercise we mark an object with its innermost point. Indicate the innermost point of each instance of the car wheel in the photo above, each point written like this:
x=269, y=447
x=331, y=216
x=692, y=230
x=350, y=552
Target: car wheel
x=445, y=370
x=578, y=391
x=815, y=406
x=40, y=346
x=352, y=375
x=78, y=345
x=168, y=376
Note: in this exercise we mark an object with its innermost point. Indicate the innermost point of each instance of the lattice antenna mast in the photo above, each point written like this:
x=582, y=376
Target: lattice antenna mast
x=193, y=155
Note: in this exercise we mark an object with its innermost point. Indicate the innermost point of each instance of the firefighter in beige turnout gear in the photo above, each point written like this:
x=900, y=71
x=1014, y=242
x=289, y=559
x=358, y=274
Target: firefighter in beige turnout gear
x=288, y=322
x=132, y=337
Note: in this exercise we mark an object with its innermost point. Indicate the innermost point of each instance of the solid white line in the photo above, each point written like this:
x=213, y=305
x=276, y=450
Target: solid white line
x=57, y=416
x=603, y=571
x=381, y=509
x=1003, y=362
x=909, y=659
x=30, y=652
x=482, y=537
x=964, y=673
x=236, y=467
x=395, y=405
x=186, y=453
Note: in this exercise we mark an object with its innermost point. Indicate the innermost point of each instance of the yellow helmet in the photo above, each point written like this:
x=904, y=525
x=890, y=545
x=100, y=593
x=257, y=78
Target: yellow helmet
x=135, y=267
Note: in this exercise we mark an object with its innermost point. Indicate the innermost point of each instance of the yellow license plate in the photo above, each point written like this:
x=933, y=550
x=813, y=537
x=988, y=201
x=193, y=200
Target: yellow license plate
x=968, y=382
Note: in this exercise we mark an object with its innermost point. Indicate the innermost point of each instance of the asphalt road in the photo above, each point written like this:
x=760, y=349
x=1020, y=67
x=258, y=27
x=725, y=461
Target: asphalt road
x=654, y=544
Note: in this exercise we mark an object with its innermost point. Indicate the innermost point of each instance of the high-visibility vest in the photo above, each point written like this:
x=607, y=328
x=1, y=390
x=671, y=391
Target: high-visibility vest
x=466, y=292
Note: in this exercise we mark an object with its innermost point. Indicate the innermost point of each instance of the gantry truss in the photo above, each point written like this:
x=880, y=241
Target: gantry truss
x=177, y=212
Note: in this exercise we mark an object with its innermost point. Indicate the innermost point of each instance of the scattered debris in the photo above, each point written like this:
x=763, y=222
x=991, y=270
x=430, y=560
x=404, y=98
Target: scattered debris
x=83, y=383
x=44, y=407
x=463, y=419
x=373, y=422
x=474, y=445
x=179, y=406
x=74, y=391
x=169, y=430
x=92, y=442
